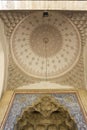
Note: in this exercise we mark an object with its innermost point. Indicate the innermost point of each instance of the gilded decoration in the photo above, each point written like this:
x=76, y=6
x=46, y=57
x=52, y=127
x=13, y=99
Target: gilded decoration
x=45, y=114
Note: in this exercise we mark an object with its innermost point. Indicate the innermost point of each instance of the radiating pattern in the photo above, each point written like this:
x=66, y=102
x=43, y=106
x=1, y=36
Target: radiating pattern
x=51, y=41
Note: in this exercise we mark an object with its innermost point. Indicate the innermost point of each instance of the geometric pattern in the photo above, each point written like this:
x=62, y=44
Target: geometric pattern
x=43, y=46
x=68, y=99
x=75, y=77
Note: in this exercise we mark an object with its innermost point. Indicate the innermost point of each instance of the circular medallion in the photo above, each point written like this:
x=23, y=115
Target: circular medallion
x=45, y=37
x=45, y=47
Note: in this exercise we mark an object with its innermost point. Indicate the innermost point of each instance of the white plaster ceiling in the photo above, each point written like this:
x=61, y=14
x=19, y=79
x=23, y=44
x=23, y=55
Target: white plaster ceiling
x=65, y=64
x=40, y=44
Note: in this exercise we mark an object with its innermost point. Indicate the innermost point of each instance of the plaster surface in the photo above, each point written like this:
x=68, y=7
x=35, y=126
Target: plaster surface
x=43, y=5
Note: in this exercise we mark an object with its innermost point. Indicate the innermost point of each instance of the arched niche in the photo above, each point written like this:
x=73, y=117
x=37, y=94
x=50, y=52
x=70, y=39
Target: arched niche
x=45, y=114
x=3, y=58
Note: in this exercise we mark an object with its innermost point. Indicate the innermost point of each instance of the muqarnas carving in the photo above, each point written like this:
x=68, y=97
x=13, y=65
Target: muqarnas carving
x=45, y=114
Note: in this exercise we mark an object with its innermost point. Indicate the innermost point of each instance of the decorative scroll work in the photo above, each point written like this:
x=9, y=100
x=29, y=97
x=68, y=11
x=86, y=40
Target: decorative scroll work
x=45, y=114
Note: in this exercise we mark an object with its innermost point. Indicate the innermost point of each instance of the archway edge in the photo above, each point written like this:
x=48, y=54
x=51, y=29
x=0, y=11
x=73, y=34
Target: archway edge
x=3, y=58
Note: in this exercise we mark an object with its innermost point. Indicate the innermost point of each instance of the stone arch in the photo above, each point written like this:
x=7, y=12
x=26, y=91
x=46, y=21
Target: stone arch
x=3, y=58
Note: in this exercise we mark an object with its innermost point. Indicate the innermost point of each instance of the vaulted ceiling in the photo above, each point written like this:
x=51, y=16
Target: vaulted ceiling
x=45, y=48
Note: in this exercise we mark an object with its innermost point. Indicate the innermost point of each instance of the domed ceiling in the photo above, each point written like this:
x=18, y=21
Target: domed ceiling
x=45, y=46
x=50, y=46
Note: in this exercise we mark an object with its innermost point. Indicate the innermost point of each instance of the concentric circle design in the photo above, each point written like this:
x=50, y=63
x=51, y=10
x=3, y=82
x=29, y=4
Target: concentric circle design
x=45, y=37
x=51, y=41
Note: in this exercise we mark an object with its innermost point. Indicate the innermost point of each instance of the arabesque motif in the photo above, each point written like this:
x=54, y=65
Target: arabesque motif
x=45, y=114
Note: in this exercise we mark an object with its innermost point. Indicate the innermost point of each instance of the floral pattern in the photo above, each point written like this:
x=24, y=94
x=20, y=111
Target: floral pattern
x=68, y=100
